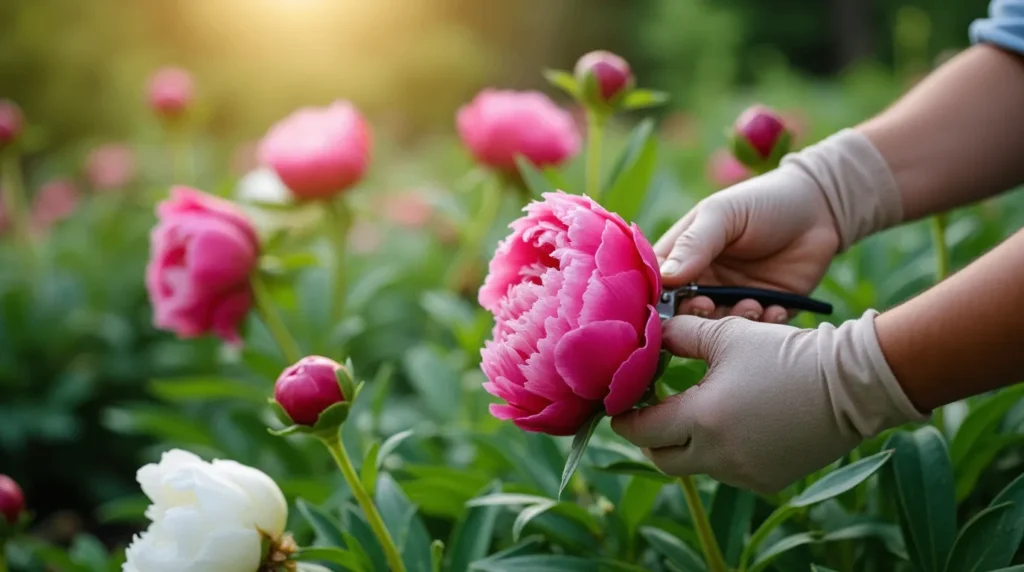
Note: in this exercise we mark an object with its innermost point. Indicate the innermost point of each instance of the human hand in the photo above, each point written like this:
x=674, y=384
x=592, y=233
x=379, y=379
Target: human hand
x=777, y=402
x=781, y=229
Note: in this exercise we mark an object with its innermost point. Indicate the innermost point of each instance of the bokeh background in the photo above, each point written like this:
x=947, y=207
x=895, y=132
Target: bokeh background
x=77, y=347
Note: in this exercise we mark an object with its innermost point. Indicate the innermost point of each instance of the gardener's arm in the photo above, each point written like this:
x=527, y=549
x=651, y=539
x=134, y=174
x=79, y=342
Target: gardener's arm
x=956, y=137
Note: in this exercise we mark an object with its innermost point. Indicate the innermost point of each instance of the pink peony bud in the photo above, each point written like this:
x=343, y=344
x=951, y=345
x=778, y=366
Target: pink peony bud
x=760, y=138
x=573, y=290
x=12, y=500
x=319, y=152
x=171, y=91
x=611, y=72
x=725, y=170
x=110, y=167
x=11, y=122
x=202, y=251
x=498, y=125
x=307, y=388
x=54, y=202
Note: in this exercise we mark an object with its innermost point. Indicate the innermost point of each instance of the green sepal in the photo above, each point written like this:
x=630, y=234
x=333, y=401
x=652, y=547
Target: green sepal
x=781, y=148
x=330, y=419
x=346, y=383
x=280, y=413
x=643, y=98
x=564, y=81
x=746, y=154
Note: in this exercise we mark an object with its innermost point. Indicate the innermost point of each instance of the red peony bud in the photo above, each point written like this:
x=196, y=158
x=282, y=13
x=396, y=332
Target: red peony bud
x=12, y=500
x=760, y=138
x=11, y=122
x=307, y=388
x=611, y=72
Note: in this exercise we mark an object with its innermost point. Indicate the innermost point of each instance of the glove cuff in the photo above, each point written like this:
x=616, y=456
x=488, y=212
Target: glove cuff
x=866, y=397
x=856, y=181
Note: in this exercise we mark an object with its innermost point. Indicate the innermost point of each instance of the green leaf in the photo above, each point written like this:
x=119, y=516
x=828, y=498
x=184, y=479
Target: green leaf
x=529, y=546
x=435, y=380
x=977, y=540
x=331, y=554
x=644, y=98
x=368, y=472
x=401, y=518
x=1017, y=568
x=327, y=528
x=676, y=551
x=579, y=445
x=784, y=545
x=632, y=173
x=982, y=422
x=979, y=458
x=534, y=179
x=390, y=445
x=570, y=510
x=126, y=509
x=841, y=480
x=817, y=568
x=776, y=518
x=288, y=263
x=564, y=81
x=204, y=389
x=528, y=514
x=635, y=468
x=471, y=539
x=637, y=502
x=921, y=478
x=87, y=550
x=552, y=563
x=731, y=512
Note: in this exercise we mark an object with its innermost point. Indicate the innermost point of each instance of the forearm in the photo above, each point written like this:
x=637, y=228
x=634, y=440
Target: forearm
x=956, y=137
x=964, y=336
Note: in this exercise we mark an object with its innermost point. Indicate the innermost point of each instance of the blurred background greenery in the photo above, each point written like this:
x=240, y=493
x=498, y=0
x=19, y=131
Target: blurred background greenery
x=79, y=343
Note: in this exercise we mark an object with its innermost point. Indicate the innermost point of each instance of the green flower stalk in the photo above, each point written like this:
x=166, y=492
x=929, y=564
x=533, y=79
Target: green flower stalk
x=706, y=536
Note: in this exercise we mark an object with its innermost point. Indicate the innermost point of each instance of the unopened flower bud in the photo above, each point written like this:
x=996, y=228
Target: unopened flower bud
x=12, y=500
x=307, y=388
x=171, y=91
x=760, y=138
x=11, y=122
x=611, y=72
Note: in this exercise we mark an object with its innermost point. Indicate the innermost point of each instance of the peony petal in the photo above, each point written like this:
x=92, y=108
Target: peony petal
x=650, y=261
x=563, y=417
x=589, y=356
x=635, y=375
x=229, y=312
x=621, y=297
x=617, y=252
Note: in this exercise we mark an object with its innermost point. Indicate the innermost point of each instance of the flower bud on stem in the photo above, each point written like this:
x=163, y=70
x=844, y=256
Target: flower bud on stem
x=337, y=449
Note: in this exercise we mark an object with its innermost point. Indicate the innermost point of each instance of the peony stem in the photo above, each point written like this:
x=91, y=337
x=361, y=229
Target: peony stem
x=469, y=249
x=265, y=306
x=14, y=200
x=341, y=219
x=595, y=132
x=708, y=544
x=337, y=449
x=3, y=558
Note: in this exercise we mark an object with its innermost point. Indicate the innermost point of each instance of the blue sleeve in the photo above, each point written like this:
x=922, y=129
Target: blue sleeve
x=1004, y=26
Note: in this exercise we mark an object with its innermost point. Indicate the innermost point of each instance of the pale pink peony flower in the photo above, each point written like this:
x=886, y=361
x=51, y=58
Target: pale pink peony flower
x=573, y=290
x=725, y=170
x=54, y=202
x=610, y=70
x=201, y=254
x=171, y=91
x=498, y=125
x=11, y=122
x=409, y=209
x=110, y=167
x=319, y=152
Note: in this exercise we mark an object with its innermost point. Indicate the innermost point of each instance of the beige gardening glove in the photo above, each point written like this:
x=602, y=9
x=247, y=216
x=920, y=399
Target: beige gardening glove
x=777, y=402
x=781, y=230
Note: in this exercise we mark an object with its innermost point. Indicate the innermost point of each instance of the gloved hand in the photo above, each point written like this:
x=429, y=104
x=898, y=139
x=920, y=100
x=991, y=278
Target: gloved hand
x=780, y=230
x=777, y=402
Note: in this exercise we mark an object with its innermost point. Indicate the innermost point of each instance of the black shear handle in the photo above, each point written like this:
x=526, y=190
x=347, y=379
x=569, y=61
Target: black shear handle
x=731, y=295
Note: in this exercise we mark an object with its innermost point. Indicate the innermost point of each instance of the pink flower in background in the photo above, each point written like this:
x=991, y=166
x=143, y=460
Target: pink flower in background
x=498, y=125
x=319, y=152
x=171, y=91
x=11, y=121
x=610, y=70
x=725, y=170
x=54, y=202
x=201, y=254
x=12, y=500
x=573, y=291
x=409, y=209
x=244, y=158
x=364, y=237
x=110, y=167
x=762, y=129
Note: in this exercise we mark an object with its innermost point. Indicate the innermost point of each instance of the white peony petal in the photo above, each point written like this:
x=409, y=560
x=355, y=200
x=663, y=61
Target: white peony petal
x=267, y=506
x=230, y=550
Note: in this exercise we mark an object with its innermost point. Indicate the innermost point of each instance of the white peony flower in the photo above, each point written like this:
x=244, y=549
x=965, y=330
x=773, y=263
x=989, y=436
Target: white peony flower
x=207, y=517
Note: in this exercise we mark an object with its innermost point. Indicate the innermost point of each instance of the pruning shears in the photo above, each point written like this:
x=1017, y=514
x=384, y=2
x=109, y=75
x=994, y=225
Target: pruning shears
x=730, y=295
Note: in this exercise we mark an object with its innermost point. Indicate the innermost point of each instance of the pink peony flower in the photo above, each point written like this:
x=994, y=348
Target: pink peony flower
x=110, y=167
x=307, y=388
x=12, y=500
x=171, y=91
x=610, y=70
x=573, y=291
x=201, y=254
x=498, y=125
x=54, y=202
x=11, y=122
x=319, y=152
x=725, y=170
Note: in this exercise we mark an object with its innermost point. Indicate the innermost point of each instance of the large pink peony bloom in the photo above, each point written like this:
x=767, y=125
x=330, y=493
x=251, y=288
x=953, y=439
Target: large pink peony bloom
x=573, y=291
x=201, y=254
x=498, y=125
x=318, y=152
